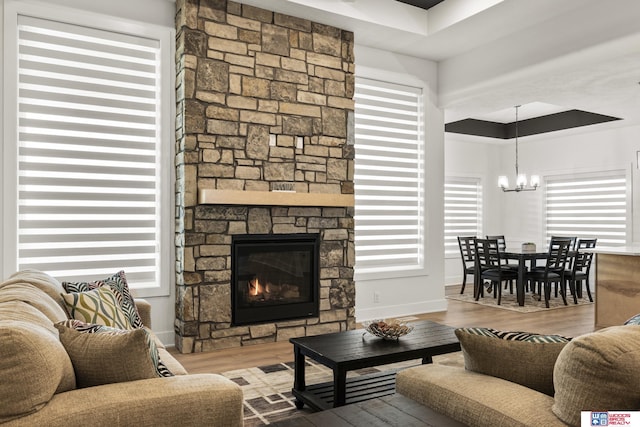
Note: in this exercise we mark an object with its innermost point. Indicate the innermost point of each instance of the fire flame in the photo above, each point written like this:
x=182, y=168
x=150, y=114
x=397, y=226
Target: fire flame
x=256, y=288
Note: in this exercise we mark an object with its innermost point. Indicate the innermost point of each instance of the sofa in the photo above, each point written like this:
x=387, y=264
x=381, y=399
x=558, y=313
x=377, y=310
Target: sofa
x=54, y=375
x=519, y=379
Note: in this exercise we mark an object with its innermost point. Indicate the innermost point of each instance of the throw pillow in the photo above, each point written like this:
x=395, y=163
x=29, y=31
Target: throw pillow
x=98, y=306
x=519, y=357
x=104, y=355
x=596, y=372
x=33, y=367
x=90, y=328
x=118, y=284
x=635, y=320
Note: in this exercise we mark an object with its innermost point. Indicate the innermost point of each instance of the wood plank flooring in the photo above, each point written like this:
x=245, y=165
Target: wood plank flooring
x=571, y=321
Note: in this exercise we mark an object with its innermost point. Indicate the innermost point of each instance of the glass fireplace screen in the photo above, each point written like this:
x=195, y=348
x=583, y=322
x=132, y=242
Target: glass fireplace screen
x=274, y=277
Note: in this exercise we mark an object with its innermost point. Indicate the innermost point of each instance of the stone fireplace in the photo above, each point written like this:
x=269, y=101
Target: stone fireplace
x=264, y=147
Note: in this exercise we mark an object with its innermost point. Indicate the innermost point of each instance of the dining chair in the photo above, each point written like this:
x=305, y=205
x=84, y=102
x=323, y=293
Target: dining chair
x=490, y=267
x=580, y=268
x=468, y=255
x=572, y=248
x=572, y=242
x=502, y=244
x=553, y=271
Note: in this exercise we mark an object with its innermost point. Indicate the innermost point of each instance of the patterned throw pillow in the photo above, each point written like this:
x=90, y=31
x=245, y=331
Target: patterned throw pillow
x=516, y=336
x=104, y=355
x=118, y=284
x=635, y=320
x=520, y=357
x=98, y=306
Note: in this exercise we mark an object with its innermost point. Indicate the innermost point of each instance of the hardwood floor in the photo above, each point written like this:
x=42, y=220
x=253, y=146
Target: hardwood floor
x=572, y=321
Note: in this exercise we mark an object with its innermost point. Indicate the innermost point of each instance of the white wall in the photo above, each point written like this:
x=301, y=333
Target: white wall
x=156, y=12
x=474, y=158
x=418, y=291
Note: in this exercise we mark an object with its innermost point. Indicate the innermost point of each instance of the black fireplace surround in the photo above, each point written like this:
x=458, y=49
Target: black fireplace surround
x=274, y=277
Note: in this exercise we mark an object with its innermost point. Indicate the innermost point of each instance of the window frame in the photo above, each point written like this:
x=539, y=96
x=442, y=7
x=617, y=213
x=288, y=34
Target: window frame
x=419, y=268
x=9, y=212
x=594, y=174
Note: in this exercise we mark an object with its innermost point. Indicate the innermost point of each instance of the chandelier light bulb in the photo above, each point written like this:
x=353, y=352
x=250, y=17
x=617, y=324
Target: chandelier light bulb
x=535, y=181
x=503, y=181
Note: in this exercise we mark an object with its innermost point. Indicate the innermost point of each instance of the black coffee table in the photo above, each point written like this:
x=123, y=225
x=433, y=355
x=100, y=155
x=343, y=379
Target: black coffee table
x=350, y=350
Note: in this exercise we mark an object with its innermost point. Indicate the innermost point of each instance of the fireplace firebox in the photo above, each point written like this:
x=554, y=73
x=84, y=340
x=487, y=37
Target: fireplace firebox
x=274, y=277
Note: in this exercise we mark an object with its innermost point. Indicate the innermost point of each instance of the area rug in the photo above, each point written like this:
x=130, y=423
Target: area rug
x=267, y=389
x=509, y=301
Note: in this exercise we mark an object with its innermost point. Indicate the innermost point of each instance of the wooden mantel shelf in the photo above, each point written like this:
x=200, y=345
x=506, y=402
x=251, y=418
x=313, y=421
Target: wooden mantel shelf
x=272, y=198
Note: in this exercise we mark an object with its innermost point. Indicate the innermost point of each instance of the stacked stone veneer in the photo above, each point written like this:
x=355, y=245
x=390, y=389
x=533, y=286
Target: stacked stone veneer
x=247, y=76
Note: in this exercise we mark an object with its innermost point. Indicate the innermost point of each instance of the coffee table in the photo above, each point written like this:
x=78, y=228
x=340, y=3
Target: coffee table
x=350, y=350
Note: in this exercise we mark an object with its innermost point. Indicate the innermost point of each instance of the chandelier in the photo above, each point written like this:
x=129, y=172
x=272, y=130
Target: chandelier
x=521, y=179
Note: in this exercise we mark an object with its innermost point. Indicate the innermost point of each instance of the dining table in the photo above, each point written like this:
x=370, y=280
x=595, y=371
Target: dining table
x=522, y=256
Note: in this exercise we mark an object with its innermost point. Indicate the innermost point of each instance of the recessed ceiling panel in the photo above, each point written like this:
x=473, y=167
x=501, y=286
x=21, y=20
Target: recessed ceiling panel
x=422, y=4
x=532, y=126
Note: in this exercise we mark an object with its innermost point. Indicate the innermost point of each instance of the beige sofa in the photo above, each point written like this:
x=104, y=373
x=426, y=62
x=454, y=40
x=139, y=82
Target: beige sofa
x=38, y=381
x=508, y=383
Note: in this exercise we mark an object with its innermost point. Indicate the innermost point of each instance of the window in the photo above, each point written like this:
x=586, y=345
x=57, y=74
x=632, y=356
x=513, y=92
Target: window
x=588, y=206
x=388, y=176
x=462, y=211
x=92, y=160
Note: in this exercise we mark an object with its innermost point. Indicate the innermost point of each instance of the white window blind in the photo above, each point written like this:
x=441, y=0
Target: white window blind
x=593, y=206
x=388, y=176
x=88, y=152
x=462, y=211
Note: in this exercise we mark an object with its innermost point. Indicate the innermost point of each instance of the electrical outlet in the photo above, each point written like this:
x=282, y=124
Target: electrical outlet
x=376, y=297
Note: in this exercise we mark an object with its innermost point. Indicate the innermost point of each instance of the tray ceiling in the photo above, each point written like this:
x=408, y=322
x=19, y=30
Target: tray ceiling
x=422, y=4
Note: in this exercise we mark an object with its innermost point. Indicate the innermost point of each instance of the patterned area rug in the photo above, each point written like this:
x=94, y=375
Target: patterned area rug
x=267, y=389
x=509, y=301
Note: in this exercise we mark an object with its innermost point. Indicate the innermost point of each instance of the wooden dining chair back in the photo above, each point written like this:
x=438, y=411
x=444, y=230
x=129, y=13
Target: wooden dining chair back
x=580, y=269
x=572, y=239
x=572, y=248
x=490, y=267
x=553, y=271
x=502, y=242
x=487, y=253
x=468, y=255
x=558, y=253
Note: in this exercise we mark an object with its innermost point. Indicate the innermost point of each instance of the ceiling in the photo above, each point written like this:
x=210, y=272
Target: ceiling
x=495, y=54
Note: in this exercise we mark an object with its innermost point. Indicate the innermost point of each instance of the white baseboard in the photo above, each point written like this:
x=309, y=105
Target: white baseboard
x=455, y=280
x=388, y=311
x=167, y=338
